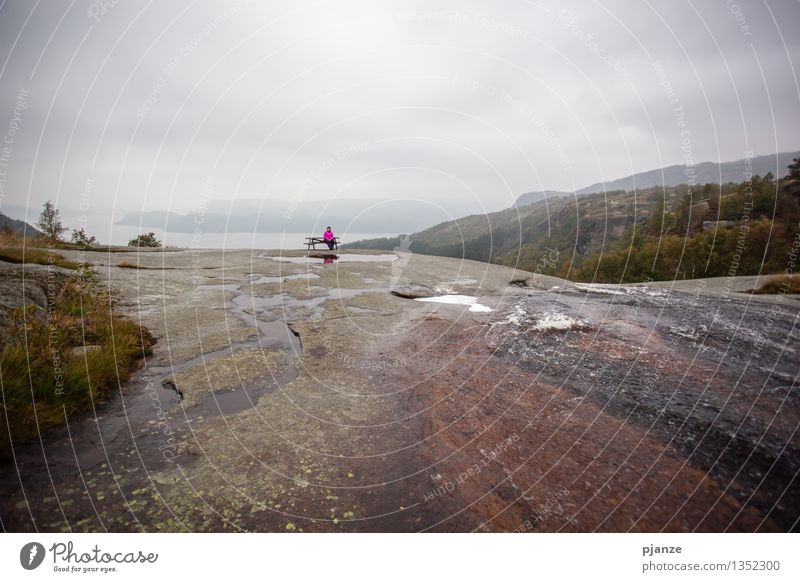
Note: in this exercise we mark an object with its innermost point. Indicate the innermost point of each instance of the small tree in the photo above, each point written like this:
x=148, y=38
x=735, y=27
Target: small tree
x=145, y=240
x=50, y=222
x=791, y=184
x=80, y=237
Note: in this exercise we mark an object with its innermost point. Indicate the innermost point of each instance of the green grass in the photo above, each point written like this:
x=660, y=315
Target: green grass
x=15, y=248
x=43, y=379
x=33, y=255
x=126, y=265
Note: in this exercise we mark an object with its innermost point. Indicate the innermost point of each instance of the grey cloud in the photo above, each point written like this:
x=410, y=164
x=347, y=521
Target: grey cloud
x=551, y=100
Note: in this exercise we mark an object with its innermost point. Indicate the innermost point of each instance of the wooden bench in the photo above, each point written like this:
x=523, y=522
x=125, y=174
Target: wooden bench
x=313, y=241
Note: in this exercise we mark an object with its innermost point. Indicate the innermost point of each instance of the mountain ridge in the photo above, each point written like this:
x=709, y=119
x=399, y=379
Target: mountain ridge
x=677, y=174
x=18, y=226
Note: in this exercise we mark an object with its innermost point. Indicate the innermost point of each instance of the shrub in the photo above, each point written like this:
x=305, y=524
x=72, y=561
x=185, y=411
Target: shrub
x=79, y=237
x=145, y=240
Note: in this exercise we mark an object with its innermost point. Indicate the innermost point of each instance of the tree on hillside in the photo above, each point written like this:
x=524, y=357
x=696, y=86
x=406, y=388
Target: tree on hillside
x=655, y=222
x=50, y=222
x=791, y=184
x=794, y=169
x=145, y=240
x=682, y=214
x=712, y=193
x=80, y=237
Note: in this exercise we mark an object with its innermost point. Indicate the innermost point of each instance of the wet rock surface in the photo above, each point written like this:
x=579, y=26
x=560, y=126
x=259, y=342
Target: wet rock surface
x=304, y=394
x=703, y=375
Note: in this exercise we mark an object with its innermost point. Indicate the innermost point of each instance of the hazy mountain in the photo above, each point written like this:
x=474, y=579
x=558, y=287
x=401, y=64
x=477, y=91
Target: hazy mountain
x=704, y=173
x=533, y=197
x=17, y=226
x=253, y=215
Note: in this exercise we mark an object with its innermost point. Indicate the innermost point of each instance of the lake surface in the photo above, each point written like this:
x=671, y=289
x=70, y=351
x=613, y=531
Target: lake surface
x=120, y=234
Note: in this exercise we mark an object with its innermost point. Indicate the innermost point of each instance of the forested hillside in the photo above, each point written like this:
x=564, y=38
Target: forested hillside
x=654, y=233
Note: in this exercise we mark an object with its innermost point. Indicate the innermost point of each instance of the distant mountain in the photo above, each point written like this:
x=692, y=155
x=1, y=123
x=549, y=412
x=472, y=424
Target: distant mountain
x=394, y=215
x=17, y=226
x=704, y=173
x=252, y=215
x=534, y=197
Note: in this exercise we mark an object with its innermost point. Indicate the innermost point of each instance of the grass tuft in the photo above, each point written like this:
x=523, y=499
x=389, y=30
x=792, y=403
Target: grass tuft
x=786, y=285
x=15, y=248
x=43, y=377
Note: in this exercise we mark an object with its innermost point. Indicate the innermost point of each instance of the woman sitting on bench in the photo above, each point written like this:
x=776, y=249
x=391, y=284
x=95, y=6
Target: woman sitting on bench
x=329, y=238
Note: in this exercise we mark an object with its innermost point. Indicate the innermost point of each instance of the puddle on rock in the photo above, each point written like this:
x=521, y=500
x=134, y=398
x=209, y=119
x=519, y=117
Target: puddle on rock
x=318, y=259
x=135, y=411
x=259, y=279
x=225, y=402
x=457, y=300
x=218, y=287
x=252, y=302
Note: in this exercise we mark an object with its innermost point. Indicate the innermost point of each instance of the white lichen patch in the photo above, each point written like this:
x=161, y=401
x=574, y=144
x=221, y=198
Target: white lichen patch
x=610, y=289
x=557, y=321
x=601, y=288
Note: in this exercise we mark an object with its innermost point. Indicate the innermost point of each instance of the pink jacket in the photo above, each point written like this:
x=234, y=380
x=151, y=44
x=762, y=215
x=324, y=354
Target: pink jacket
x=328, y=235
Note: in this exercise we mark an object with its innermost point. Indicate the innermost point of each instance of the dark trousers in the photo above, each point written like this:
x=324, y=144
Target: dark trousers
x=330, y=244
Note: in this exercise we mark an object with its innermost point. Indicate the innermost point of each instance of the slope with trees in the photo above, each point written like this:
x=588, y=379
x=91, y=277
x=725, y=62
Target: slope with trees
x=657, y=233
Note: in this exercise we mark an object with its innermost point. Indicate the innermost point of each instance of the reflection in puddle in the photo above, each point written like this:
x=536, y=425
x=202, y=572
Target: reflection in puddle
x=225, y=402
x=257, y=303
x=252, y=301
x=458, y=300
x=331, y=258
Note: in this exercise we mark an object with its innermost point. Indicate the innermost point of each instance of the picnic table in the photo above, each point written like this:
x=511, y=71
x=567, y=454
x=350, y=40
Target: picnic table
x=313, y=241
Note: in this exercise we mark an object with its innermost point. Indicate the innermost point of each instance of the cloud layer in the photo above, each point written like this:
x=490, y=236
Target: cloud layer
x=144, y=105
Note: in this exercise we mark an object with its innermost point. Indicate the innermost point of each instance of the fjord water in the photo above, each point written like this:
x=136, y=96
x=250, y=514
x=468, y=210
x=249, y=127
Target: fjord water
x=120, y=234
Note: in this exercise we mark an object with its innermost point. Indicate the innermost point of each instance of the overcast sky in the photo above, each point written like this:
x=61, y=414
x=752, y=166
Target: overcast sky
x=465, y=104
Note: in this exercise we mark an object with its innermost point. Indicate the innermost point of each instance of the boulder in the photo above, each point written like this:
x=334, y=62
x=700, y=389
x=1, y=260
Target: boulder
x=28, y=284
x=413, y=291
